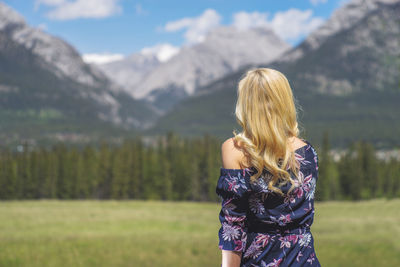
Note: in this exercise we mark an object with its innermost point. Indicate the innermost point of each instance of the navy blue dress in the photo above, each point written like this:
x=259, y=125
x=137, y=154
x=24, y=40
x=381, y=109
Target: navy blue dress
x=270, y=230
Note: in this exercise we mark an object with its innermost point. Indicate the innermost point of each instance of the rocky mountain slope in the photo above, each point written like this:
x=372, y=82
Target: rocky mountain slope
x=46, y=87
x=360, y=58
x=342, y=19
x=347, y=85
x=129, y=71
x=224, y=50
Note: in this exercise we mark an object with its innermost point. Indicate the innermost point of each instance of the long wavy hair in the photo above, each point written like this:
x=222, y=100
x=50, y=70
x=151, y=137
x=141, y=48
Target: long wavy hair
x=266, y=111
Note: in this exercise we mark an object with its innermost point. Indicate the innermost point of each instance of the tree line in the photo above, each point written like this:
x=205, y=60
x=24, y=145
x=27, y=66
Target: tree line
x=172, y=168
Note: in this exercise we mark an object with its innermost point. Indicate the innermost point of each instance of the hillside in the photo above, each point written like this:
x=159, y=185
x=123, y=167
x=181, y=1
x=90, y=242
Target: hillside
x=47, y=91
x=349, y=86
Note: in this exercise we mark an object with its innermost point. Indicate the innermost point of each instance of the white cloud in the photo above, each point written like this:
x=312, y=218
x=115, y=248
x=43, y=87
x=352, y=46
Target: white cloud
x=101, y=58
x=162, y=51
x=244, y=20
x=196, y=27
x=68, y=9
x=290, y=25
x=317, y=2
x=293, y=23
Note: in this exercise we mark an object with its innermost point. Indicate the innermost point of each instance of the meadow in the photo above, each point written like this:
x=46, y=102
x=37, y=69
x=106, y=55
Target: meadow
x=155, y=233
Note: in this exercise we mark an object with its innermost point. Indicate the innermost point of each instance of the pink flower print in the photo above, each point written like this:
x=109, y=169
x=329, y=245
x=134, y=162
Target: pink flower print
x=239, y=245
x=233, y=186
x=298, y=192
x=307, y=179
x=227, y=201
x=234, y=183
x=255, y=204
x=283, y=220
x=246, y=170
x=227, y=206
x=254, y=250
x=275, y=263
x=263, y=239
x=235, y=219
x=298, y=157
x=298, y=256
x=230, y=232
x=311, y=258
x=301, y=159
x=284, y=242
x=289, y=199
x=293, y=238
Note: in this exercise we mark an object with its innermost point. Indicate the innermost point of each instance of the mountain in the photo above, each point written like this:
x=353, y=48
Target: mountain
x=129, y=71
x=361, y=58
x=224, y=50
x=348, y=85
x=342, y=19
x=46, y=88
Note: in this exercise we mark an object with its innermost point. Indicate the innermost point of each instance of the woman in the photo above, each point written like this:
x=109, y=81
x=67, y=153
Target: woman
x=268, y=179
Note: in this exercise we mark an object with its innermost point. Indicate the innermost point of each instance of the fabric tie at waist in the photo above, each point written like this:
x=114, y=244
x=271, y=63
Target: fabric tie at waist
x=269, y=229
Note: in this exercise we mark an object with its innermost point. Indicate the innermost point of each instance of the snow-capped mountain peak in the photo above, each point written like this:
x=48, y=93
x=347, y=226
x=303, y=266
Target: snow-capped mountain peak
x=224, y=49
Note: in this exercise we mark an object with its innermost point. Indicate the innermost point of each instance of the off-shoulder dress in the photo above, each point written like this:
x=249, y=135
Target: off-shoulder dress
x=270, y=230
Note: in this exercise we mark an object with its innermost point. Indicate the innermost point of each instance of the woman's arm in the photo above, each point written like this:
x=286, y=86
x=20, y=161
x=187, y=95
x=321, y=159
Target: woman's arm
x=231, y=258
x=230, y=160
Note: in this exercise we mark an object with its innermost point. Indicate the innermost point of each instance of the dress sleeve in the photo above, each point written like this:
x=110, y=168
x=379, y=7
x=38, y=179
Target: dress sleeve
x=233, y=188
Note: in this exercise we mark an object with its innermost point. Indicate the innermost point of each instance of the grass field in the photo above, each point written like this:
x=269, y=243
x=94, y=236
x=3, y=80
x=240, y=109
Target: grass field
x=151, y=233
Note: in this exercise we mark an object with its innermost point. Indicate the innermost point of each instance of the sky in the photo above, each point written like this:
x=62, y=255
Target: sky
x=107, y=30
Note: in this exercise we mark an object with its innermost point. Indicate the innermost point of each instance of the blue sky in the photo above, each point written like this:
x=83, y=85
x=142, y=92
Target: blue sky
x=123, y=27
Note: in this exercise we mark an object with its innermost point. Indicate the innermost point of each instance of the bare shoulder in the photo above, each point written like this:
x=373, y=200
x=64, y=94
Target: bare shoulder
x=232, y=154
x=296, y=143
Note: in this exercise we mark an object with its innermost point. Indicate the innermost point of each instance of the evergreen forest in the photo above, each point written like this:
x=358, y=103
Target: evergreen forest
x=173, y=168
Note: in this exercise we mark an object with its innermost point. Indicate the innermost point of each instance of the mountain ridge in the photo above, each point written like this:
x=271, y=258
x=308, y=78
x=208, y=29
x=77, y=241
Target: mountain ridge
x=225, y=49
x=344, y=86
x=341, y=19
x=46, y=88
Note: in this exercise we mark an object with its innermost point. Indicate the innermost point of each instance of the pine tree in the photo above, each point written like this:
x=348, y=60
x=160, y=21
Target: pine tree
x=328, y=180
x=104, y=171
x=8, y=175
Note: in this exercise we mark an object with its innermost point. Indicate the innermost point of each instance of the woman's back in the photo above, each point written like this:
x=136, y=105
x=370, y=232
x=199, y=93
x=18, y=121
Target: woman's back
x=270, y=229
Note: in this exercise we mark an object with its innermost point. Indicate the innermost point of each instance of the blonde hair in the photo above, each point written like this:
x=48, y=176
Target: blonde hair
x=266, y=111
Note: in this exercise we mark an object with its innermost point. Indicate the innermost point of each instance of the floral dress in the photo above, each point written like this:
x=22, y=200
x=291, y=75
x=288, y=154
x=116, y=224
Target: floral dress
x=269, y=229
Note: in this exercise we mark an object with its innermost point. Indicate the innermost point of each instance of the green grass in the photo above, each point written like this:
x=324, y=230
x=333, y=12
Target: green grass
x=151, y=233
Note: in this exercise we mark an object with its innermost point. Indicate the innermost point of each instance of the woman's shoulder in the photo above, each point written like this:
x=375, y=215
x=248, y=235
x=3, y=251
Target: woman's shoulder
x=233, y=155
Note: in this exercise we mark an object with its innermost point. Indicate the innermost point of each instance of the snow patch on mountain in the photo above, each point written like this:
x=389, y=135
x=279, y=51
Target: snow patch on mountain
x=224, y=50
